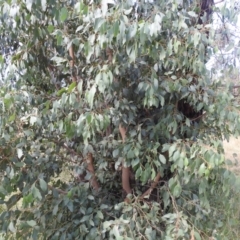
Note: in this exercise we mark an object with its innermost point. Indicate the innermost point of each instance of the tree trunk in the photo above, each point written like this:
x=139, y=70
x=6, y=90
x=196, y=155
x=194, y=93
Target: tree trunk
x=125, y=170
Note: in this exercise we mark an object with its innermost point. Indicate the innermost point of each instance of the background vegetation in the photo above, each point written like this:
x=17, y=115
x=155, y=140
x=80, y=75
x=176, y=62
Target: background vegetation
x=118, y=96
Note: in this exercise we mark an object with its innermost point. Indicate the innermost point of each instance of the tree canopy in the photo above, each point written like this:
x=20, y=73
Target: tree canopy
x=95, y=88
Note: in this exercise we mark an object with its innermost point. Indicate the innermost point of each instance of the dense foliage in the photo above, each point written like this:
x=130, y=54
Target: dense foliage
x=75, y=72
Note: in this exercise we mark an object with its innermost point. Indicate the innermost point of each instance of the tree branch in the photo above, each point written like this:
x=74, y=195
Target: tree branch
x=90, y=168
x=125, y=170
x=153, y=185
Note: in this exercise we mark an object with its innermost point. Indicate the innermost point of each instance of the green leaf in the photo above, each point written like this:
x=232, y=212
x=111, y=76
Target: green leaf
x=116, y=233
x=71, y=87
x=63, y=14
x=188, y=123
x=115, y=153
x=33, y=119
x=146, y=175
x=28, y=199
x=61, y=91
x=202, y=169
x=36, y=193
x=50, y=28
x=85, y=218
x=107, y=224
x=55, y=210
x=19, y=164
x=192, y=14
x=150, y=233
x=59, y=43
x=100, y=215
x=171, y=150
x=130, y=154
x=177, y=190
x=135, y=162
x=153, y=175
x=1, y=59
x=29, y=4
x=72, y=98
x=12, y=117
x=90, y=95
x=197, y=235
x=162, y=159
x=90, y=197
x=70, y=206
x=31, y=223
x=80, y=87
x=44, y=4
x=127, y=12
x=115, y=28
x=43, y=184
x=138, y=172
x=166, y=199
x=11, y=227
x=19, y=153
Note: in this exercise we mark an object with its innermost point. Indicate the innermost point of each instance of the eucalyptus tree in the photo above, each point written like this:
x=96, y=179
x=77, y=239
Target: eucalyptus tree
x=105, y=87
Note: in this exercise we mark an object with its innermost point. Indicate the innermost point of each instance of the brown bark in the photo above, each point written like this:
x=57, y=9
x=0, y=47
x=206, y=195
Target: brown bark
x=109, y=53
x=90, y=168
x=125, y=180
x=126, y=174
x=125, y=170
